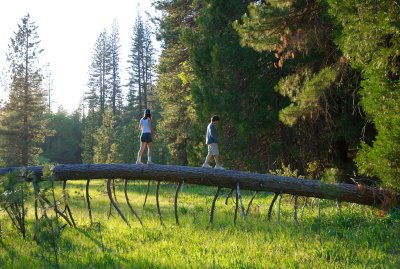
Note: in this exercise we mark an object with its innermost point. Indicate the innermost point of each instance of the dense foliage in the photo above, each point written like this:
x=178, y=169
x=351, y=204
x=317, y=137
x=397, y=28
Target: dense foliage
x=63, y=144
x=291, y=97
x=318, y=81
x=369, y=36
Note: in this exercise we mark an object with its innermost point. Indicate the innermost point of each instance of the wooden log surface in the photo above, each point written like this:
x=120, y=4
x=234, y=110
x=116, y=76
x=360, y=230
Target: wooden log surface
x=359, y=194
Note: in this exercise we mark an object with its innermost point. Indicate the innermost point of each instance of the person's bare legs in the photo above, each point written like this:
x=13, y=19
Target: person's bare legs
x=149, y=152
x=141, y=150
x=208, y=159
x=218, y=164
x=217, y=160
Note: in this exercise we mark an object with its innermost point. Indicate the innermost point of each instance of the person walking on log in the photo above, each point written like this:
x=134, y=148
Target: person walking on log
x=212, y=144
x=146, y=127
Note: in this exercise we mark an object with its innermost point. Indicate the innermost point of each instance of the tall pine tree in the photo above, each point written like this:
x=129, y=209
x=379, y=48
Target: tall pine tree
x=141, y=94
x=99, y=74
x=178, y=127
x=115, y=93
x=141, y=64
x=24, y=127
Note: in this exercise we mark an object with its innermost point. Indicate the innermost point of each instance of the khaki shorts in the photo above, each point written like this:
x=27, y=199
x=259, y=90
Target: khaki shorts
x=213, y=148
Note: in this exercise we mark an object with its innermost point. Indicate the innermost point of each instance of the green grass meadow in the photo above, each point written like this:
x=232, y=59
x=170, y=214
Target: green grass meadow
x=354, y=238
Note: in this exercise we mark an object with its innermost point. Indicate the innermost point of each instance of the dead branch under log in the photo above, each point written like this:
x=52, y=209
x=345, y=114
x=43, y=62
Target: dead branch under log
x=279, y=208
x=251, y=201
x=296, y=198
x=129, y=204
x=55, y=208
x=37, y=196
x=36, y=210
x=114, y=192
x=229, y=196
x=147, y=192
x=240, y=199
x=158, y=203
x=176, y=202
x=271, y=206
x=236, y=208
x=109, y=211
x=88, y=201
x=213, y=204
x=66, y=202
x=113, y=202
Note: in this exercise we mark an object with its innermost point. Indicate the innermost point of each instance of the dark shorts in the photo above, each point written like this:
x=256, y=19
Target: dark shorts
x=146, y=137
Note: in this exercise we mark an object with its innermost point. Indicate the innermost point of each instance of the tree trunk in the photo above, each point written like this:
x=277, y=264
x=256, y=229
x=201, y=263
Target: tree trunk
x=224, y=179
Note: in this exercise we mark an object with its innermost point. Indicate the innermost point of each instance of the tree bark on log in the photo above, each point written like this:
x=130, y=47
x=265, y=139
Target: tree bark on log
x=341, y=192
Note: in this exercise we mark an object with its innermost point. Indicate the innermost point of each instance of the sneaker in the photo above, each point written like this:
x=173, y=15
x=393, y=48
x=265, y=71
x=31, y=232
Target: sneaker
x=206, y=165
x=220, y=167
x=150, y=162
x=139, y=162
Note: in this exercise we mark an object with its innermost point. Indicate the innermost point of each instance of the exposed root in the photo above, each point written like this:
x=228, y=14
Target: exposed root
x=129, y=204
x=158, y=204
x=113, y=202
x=176, y=202
x=272, y=205
x=213, y=205
x=88, y=201
x=251, y=201
x=147, y=192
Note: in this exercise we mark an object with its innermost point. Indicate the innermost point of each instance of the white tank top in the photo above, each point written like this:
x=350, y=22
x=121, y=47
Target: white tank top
x=145, y=125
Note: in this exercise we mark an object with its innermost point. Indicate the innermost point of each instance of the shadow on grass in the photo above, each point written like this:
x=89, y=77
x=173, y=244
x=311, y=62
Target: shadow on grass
x=73, y=253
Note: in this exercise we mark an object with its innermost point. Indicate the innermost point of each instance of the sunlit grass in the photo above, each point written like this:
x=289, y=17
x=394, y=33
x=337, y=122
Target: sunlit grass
x=356, y=238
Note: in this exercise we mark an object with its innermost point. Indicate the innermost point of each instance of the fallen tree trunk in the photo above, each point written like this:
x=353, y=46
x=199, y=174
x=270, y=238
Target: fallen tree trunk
x=359, y=194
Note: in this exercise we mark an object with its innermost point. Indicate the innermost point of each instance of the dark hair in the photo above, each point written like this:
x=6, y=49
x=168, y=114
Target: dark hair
x=146, y=114
x=214, y=118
